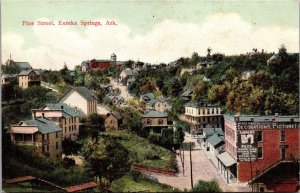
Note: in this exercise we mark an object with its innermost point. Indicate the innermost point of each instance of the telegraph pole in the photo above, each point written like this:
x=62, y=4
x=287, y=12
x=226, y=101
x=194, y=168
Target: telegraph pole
x=191, y=165
x=251, y=170
x=183, y=158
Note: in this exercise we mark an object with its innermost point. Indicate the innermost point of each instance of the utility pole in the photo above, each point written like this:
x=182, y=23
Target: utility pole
x=251, y=170
x=191, y=165
x=183, y=157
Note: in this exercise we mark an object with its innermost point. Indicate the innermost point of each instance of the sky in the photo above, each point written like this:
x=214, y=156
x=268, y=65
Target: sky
x=148, y=31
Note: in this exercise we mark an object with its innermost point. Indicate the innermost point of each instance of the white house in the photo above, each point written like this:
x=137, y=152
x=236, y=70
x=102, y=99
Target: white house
x=82, y=98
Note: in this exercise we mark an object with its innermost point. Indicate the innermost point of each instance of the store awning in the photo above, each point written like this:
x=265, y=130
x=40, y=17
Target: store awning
x=226, y=159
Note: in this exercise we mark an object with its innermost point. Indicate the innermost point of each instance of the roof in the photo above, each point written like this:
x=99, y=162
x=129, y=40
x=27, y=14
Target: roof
x=199, y=104
x=188, y=92
x=27, y=72
x=154, y=114
x=23, y=65
x=211, y=131
x=9, y=75
x=81, y=187
x=128, y=71
x=152, y=102
x=148, y=95
x=116, y=115
x=215, y=140
x=67, y=110
x=44, y=125
x=226, y=159
x=83, y=91
x=20, y=179
x=265, y=118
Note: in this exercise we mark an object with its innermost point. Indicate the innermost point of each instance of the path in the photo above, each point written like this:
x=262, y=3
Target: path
x=124, y=92
x=203, y=169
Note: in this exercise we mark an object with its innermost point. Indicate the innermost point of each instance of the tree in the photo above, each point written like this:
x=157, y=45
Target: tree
x=95, y=124
x=203, y=186
x=178, y=136
x=106, y=160
x=70, y=147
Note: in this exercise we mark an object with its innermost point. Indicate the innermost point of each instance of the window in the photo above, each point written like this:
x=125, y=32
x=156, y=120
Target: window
x=56, y=145
x=48, y=136
x=208, y=111
x=56, y=134
x=65, y=121
x=259, y=136
x=160, y=121
x=212, y=111
x=259, y=152
x=47, y=147
x=69, y=128
x=65, y=129
x=282, y=135
x=149, y=122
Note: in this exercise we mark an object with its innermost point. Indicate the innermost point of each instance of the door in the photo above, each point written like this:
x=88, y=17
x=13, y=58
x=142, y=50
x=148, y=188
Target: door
x=282, y=152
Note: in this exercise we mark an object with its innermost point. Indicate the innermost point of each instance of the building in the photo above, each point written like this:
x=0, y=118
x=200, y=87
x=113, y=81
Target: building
x=125, y=75
x=146, y=97
x=82, y=98
x=215, y=144
x=29, y=78
x=187, y=95
x=246, y=75
x=23, y=66
x=114, y=99
x=42, y=133
x=113, y=121
x=257, y=146
x=188, y=70
x=101, y=64
x=64, y=115
x=8, y=78
x=201, y=115
x=160, y=105
x=156, y=121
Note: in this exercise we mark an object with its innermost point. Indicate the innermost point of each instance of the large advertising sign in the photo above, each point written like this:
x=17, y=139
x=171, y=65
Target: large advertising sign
x=266, y=125
x=247, y=146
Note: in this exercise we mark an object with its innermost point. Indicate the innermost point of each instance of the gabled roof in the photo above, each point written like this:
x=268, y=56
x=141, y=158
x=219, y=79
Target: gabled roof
x=147, y=95
x=186, y=93
x=67, y=110
x=27, y=72
x=23, y=65
x=215, y=140
x=116, y=115
x=9, y=75
x=154, y=114
x=83, y=91
x=44, y=125
x=152, y=102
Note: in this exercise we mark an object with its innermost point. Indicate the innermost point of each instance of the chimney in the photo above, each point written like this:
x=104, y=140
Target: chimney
x=292, y=120
x=34, y=115
x=237, y=118
x=62, y=107
x=43, y=115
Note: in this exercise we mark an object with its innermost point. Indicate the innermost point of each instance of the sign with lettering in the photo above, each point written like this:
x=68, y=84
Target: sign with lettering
x=266, y=125
x=247, y=146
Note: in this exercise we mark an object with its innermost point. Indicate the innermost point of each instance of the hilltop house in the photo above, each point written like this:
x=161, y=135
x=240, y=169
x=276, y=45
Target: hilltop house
x=114, y=99
x=29, y=78
x=113, y=121
x=7, y=78
x=101, y=64
x=187, y=95
x=147, y=97
x=125, y=75
x=82, y=98
x=161, y=105
x=67, y=117
x=41, y=133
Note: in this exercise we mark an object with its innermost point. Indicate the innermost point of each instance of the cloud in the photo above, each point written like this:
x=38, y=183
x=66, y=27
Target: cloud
x=167, y=41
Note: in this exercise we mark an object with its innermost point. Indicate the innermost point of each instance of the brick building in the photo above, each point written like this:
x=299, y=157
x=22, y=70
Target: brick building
x=256, y=146
x=100, y=64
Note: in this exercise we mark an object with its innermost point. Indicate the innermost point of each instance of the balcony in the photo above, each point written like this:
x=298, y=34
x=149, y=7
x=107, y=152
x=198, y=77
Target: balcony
x=31, y=143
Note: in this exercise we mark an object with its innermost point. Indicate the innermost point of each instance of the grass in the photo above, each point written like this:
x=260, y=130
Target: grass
x=141, y=151
x=128, y=184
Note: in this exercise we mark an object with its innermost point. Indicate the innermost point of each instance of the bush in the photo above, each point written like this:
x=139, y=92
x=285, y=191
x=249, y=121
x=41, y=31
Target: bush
x=68, y=162
x=136, y=175
x=203, y=186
